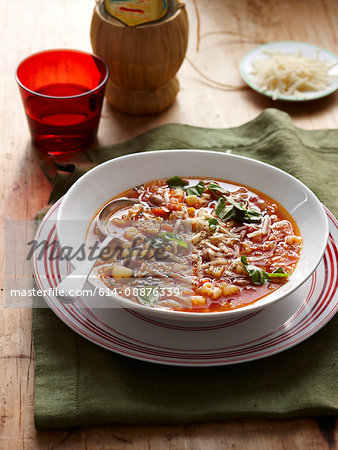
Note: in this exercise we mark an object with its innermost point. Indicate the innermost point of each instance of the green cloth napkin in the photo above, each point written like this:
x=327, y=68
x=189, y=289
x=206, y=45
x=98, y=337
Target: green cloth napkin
x=78, y=383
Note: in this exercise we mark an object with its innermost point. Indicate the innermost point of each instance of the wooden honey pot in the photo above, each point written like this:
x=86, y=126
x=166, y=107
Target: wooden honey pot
x=143, y=59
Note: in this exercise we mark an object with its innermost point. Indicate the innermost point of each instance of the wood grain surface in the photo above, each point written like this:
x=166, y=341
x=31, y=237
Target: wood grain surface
x=28, y=26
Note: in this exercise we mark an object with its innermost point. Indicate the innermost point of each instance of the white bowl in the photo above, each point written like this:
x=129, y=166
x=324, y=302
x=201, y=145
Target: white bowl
x=109, y=179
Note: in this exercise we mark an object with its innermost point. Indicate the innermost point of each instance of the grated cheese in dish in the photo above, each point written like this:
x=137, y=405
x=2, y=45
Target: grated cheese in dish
x=290, y=74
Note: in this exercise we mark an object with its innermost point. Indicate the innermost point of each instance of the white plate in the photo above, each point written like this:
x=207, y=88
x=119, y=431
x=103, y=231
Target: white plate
x=109, y=179
x=256, y=335
x=309, y=50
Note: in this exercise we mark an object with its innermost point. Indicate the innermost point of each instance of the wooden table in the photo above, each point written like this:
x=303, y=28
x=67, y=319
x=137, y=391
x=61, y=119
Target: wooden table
x=28, y=26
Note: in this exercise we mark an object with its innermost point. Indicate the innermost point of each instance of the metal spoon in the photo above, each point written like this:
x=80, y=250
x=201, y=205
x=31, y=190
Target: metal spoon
x=74, y=282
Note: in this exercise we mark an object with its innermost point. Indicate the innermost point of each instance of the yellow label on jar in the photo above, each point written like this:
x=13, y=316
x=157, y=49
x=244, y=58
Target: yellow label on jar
x=135, y=12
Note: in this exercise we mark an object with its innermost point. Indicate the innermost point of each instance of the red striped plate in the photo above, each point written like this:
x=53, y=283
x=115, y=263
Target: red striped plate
x=254, y=336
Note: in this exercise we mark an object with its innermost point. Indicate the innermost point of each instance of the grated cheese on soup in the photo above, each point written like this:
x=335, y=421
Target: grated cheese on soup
x=290, y=74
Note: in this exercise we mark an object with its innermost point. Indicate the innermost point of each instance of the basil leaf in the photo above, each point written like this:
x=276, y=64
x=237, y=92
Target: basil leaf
x=223, y=211
x=279, y=270
x=213, y=223
x=244, y=260
x=220, y=206
x=237, y=205
x=244, y=214
x=196, y=190
x=176, y=182
x=214, y=187
x=167, y=236
x=157, y=242
x=257, y=275
x=237, y=211
x=150, y=296
x=278, y=273
x=251, y=215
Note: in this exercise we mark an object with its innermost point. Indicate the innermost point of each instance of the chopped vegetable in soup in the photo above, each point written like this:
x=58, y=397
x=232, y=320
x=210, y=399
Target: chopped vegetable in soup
x=198, y=245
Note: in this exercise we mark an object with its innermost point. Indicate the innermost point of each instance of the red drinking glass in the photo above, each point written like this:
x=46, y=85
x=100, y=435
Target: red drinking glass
x=62, y=92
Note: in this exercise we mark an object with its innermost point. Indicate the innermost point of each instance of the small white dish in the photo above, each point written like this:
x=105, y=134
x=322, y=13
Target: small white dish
x=233, y=340
x=109, y=179
x=291, y=47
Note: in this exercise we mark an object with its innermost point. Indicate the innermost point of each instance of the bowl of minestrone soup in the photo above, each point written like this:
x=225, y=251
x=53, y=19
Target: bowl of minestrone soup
x=206, y=235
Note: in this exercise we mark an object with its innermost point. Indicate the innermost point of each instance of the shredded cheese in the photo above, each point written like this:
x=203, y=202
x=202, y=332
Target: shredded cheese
x=290, y=74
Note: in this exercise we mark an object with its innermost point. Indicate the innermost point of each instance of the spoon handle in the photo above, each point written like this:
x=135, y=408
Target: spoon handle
x=69, y=288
